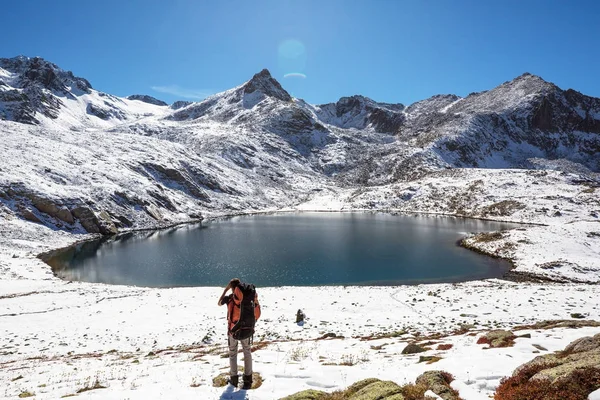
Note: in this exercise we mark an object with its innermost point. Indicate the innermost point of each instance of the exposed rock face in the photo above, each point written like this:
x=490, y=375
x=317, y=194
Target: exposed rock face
x=180, y=104
x=95, y=223
x=178, y=177
x=34, y=80
x=105, y=112
x=44, y=205
x=264, y=83
x=28, y=214
x=361, y=112
x=474, y=130
x=38, y=72
x=33, y=87
x=147, y=99
x=65, y=215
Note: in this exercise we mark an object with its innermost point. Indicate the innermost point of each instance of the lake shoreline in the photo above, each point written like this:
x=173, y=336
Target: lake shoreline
x=61, y=259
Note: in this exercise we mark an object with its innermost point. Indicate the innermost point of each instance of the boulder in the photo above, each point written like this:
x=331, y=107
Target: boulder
x=571, y=373
x=439, y=383
x=95, y=223
x=579, y=354
x=309, y=394
x=29, y=215
x=588, y=343
x=154, y=212
x=377, y=390
x=356, y=386
x=413, y=349
x=107, y=226
x=87, y=218
x=45, y=205
x=498, y=338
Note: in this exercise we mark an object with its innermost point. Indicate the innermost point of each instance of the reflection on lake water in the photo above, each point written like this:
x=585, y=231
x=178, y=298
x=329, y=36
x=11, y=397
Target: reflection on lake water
x=301, y=249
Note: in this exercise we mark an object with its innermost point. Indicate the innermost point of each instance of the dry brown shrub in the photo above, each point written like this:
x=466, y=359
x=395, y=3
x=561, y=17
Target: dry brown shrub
x=577, y=386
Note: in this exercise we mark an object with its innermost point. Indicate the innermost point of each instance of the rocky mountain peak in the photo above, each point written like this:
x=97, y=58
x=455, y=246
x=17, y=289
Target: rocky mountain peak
x=38, y=72
x=147, y=99
x=530, y=83
x=265, y=83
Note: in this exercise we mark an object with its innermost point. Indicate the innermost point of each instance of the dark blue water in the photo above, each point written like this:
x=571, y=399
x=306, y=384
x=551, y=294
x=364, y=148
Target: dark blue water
x=302, y=249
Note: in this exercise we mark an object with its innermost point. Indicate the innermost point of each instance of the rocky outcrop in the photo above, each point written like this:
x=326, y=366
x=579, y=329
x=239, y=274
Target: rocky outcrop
x=573, y=373
x=51, y=208
x=413, y=348
x=375, y=389
x=439, y=383
x=95, y=223
x=105, y=112
x=384, y=390
x=498, y=338
x=28, y=214
x=35, y=85
x=38, y=72
x=580, y=354
x=361, y=112
x=147, y=99
x=308, y=394
x=180, y=104
x=185, y=182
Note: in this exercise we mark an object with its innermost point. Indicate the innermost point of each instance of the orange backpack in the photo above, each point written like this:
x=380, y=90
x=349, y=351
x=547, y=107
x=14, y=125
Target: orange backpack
x=244, y=312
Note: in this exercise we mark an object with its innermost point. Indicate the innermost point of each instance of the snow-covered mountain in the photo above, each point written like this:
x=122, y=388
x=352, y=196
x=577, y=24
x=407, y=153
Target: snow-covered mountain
x=78, y=158
x=506, y=126
x=35, y=91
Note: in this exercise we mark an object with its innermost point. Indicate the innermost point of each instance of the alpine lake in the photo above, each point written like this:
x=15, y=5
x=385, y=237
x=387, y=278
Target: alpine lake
x=287, y=249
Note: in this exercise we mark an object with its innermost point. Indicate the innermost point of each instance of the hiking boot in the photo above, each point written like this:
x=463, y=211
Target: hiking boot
x=234, y=380
x=247, y=382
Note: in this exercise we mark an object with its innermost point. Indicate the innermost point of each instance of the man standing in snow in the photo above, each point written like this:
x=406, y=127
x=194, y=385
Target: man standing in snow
x=235, y=302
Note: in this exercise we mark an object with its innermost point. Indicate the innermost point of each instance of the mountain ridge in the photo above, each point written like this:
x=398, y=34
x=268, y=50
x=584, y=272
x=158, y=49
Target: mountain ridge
x=87, y=160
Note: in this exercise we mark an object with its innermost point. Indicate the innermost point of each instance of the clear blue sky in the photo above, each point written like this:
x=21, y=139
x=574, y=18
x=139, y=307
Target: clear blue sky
x=393, y=51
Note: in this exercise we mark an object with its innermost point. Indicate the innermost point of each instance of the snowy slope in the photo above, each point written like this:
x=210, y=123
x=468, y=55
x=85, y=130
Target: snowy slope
x=35, y=91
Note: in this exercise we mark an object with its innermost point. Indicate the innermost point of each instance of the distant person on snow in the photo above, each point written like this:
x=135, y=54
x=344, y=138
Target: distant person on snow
x=243, y=310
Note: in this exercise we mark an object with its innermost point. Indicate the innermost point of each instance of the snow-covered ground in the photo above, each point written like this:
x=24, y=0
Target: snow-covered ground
x=60, y=337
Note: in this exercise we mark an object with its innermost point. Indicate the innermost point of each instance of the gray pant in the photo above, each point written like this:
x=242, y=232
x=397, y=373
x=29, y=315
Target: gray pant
x=233, y=349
